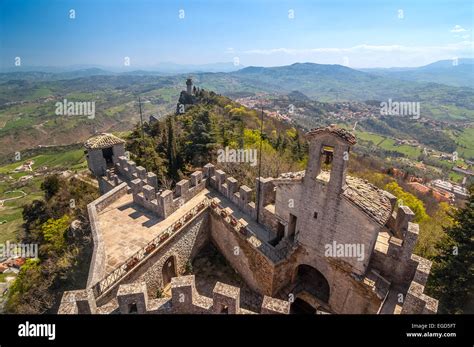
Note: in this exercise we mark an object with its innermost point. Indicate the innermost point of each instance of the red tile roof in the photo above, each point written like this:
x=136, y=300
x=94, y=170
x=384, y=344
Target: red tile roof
x=103, y=140
x=420, y=187
x=18, y=262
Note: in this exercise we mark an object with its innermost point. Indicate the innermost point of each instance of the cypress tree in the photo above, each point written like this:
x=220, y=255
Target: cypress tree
x=452, y=275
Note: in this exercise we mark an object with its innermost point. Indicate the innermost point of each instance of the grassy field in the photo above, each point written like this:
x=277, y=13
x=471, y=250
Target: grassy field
x=73, y=160
x=410, y=151
x=466, y=143
x=388, y=144
x=116, y=109
x=370, y=137
x=11, y=212
x=455, y=177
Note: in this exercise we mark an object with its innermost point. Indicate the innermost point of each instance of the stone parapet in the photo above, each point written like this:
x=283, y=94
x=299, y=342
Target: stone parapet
x=133, y=298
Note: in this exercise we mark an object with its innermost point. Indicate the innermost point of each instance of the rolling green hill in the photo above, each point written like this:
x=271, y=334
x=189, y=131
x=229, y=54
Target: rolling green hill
x=27, y=100
x=336, y=82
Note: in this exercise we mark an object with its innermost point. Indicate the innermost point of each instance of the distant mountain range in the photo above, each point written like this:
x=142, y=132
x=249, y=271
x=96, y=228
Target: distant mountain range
x=166, y=68
x=27, y=99
x=339, y=83
x=451, y=72
x=292, y=77
x=320, y=82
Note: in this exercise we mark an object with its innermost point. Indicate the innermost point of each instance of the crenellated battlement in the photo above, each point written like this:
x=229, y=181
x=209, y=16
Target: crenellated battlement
x=185, y=299
x=242, y=196
x=147, y=193
x=336, y=242
x=163, y=202
x=416, y=301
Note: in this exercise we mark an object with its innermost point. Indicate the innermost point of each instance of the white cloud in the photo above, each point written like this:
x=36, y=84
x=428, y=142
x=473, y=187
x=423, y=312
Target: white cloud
x=458, y=29
x=363, y=55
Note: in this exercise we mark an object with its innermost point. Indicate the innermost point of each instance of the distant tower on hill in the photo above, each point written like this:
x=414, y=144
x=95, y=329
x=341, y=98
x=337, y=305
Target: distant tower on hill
x=189, y=86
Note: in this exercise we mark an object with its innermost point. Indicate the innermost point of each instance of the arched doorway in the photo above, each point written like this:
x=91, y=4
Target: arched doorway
x=108, y=154
x=169, y=270
x=300, y=306
x=313, y=282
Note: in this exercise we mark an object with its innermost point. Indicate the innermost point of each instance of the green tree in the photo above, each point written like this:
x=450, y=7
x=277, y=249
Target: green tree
x=148, y=151
x=407, y=199
x=172, y=151
x=50, y=186
x=432, y=231
x=34, y=214
x=202, y=139
x=54, y=233
x=452, y=274
x=29, y=292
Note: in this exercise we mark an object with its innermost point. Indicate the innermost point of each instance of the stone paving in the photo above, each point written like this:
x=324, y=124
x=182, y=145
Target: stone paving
x=392, y=304
x=126, y=227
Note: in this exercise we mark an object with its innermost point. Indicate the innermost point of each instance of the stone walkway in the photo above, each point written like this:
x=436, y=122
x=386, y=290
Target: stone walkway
x=126, y=227
x=391, y=304
x=262, y=233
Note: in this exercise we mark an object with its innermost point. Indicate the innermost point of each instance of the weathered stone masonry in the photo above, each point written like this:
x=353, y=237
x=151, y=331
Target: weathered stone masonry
x=284, y=254
x=133, y=298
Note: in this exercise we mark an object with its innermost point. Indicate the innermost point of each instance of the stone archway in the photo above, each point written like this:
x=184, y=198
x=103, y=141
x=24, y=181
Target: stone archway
x=169, y=270
x=312, y=281
x=299, y=306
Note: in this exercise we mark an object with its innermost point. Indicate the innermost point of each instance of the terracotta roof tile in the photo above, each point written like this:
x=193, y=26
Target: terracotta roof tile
x=103, y=140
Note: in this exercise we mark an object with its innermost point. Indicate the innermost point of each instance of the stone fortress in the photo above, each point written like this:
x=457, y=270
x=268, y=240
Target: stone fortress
x=317, y=239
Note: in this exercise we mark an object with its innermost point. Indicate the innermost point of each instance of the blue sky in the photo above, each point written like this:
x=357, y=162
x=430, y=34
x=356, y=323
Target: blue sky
x=258, y=32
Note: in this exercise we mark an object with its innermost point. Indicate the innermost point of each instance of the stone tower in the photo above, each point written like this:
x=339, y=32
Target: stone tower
x=102, y=152
x=329, y=149
x=189, y=86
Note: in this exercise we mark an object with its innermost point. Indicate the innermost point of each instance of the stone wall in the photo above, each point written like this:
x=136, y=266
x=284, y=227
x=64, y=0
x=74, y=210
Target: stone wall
x=321, y=220
x=96, y=162
x=134, y=298
x=348, y=293
x=147, y=193
x=242, y=195
x=416, y=301
x=183, y=246
x=396, y=260
x=254, y=267
x=97, y=265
